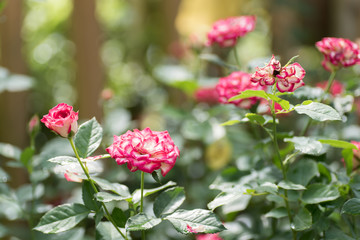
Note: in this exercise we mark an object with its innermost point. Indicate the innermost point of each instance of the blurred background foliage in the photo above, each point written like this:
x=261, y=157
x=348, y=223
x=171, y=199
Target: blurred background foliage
x=136, y=64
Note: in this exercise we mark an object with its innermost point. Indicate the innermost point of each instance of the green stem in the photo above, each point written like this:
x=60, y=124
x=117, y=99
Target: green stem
x=327, y=89
x=142, y=201
x=236, y=55
x=108, y=216
x=283, y=170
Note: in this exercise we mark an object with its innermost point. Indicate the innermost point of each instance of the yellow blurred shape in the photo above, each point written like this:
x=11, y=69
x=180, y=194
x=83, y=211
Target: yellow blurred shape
x=195, y=17
x=218, y=154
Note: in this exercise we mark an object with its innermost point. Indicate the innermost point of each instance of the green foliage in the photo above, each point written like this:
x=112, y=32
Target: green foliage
x=318, y=111
x=88, y=138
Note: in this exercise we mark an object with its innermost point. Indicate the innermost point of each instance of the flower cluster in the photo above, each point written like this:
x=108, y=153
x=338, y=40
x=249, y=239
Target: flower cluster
x=145, y=150
x=338, y=52
x=226, y=31
x=287, y=79
x=206, y=95
x=233, y=85
x=62, y=120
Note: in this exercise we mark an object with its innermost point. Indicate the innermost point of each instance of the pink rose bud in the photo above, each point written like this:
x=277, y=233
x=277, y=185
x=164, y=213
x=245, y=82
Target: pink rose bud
x=336, y=89
x=145, y=150
x=34, y=124
x=233, y=85
x=62, y=120
x=338, y=52
x=226, y=31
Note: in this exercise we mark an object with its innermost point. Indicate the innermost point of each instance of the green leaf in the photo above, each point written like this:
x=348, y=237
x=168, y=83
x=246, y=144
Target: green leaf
x=255, y=118
x=237, y=200
x=108, y=197
x=324, y=171
x=106, y=231
x=283, y=103
x=351, y=206
x=338, y=143
x=302, y=220
x=10, y=151
x=188, y=86
x=230, y=122
x=155, y=176
x=137, y=193
x=88, y=138
x=195, y=221
x=141, y=221
x=4, y=177
x=267, y=187
x=317, y=193
x=63, y=160
x=62, y=218
x=25, y=158
x=337, y=234
x=119, y=217
x=348, y=155
x=286, y=184
x=249, y=94
x=318, y=111
x=168, y=201
x=88, y=196
x=277, y=213
x=303, y=171
x=117, y=188
x=307, y=145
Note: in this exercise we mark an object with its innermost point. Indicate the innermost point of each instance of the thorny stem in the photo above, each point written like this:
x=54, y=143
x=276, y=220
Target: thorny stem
x=108, y=216
x=283, y=170
x=327, y=89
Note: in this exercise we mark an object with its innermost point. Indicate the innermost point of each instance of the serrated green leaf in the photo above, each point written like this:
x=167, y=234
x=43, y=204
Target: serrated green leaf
x=106, y=231
x=253, y=117
x=119, y=217
x=117, y=188
x=351, y=206
x=168, y=201
x=286, y=184
x=141, y=221
x=62, y=218
x=88, y=138
x=317, y=193
x=302, y=220
x=338, y=143
x=108, y=197
x=237, y=200
x=277, y=213
x=63, y=160
x=307, y=145
x=318, y=111
x=249, y=94
x=137, y=193
x=195, y=221
x=230, y=122
x=88, y=196
x=267, y=187
x=303, y=171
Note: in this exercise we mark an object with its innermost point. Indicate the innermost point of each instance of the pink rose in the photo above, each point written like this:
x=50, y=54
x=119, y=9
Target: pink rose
x=338, y=52
x=62, y=120
x=214, y=236
x=233, y=85
x=287, y=79
x=226, y=31
x=336, y=89
x=145, y=150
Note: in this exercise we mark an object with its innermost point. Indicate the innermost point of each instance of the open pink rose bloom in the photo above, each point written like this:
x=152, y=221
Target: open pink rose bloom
x=226, y=31
x=287, y=79
x=338, y=52
x=145, y=150
x=62, y=120
x=233, y=85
